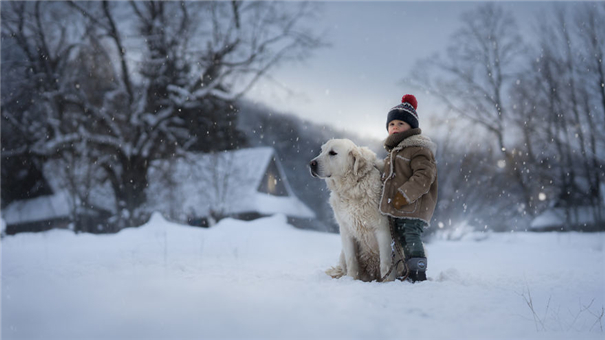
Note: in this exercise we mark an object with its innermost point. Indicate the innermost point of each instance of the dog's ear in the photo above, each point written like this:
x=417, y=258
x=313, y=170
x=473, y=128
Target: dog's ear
x=360, y=162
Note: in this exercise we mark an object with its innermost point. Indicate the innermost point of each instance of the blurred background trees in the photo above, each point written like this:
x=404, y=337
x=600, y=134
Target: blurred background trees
x=120, y=84
x=525, y=117
x=100, y=90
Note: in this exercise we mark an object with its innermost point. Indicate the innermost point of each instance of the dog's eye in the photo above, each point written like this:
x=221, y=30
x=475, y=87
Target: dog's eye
x=332, y=153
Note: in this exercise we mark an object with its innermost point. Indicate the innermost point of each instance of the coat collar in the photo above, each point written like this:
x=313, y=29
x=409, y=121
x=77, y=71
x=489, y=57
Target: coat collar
x=395, y=139
x=417, y=140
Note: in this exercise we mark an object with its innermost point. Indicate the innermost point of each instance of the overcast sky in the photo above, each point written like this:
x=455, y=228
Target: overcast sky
x=374, y=45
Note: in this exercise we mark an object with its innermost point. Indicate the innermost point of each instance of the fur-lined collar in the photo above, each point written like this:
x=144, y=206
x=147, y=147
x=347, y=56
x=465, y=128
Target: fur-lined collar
x=418, y=140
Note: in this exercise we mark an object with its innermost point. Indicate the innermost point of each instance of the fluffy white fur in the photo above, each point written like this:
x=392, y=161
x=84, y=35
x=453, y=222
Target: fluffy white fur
x=353, y=177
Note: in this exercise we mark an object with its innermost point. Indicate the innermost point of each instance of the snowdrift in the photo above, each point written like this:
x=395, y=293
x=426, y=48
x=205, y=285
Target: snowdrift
x=264, y=279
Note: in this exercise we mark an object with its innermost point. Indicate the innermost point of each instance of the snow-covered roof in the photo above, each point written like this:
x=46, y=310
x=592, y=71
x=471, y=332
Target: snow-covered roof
x=224, y=182
x=41, y=208
x=2, y=226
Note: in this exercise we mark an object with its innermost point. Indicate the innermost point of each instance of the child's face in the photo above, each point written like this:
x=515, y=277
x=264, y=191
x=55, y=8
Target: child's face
x=398, y=126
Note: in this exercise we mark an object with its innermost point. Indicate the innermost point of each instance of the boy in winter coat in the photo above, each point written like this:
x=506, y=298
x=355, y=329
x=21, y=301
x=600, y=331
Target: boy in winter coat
x=409, y=193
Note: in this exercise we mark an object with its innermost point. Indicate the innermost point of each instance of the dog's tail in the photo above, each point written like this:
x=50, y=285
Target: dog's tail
x=336, y=272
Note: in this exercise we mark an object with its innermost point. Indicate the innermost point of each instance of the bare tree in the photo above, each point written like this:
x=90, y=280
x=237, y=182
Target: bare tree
x=131, y=79
x=572, y=125
x=591, y=31
x=473, y=79
x=542, y=106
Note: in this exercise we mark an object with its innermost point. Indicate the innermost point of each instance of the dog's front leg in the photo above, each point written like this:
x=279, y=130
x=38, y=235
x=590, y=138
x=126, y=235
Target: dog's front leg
x=350, y=251
x=384, y=247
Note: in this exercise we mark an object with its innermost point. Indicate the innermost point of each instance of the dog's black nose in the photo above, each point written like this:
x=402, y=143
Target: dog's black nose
x=313, y=168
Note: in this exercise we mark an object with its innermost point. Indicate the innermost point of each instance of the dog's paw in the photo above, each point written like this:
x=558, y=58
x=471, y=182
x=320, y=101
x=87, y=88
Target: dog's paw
x=336, y=272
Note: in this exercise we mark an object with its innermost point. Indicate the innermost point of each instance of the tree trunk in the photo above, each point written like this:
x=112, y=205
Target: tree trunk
x=134, y=182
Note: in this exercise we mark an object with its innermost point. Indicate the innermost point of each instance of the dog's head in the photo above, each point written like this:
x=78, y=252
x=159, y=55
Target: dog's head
x=339, y=157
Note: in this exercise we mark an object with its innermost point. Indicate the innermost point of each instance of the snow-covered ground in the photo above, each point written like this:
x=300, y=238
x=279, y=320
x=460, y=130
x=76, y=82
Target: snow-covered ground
x=264, y=279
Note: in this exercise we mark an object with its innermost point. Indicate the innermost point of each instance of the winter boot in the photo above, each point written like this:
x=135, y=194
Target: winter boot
x=417, y=269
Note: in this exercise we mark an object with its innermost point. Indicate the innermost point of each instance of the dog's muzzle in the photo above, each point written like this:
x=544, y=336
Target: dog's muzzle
x=313, y=168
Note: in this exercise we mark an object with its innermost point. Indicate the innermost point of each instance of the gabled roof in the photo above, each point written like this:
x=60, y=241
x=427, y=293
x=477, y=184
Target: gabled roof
x=224, y=182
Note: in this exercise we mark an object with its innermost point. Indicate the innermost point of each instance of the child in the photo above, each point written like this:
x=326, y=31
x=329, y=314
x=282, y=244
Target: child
x=409, y=194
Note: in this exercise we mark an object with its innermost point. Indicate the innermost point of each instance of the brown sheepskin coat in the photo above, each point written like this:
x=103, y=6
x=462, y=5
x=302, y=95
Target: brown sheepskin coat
x=410, y=178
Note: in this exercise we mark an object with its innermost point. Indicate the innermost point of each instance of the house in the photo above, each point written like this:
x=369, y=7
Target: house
x=58, y=210
x=202, y=188
x=38, y=214
x=198, y=190
x=46, y=212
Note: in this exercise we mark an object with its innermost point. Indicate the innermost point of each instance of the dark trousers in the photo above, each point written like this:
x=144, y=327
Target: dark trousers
x=409, y=233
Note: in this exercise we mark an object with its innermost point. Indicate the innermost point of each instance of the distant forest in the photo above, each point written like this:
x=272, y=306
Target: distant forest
x=523, y=129
x=106, y=88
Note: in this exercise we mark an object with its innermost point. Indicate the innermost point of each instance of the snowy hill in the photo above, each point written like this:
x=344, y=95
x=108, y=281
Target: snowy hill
x=264, y=279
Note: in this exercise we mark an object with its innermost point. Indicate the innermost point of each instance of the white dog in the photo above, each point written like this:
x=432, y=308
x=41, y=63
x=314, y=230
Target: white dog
x=353, y=177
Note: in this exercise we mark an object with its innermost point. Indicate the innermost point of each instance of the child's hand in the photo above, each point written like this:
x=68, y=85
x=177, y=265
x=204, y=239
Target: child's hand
x=399, y=201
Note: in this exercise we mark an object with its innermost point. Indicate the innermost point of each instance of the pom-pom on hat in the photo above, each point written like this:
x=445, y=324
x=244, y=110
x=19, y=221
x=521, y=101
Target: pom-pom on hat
x=406, y=111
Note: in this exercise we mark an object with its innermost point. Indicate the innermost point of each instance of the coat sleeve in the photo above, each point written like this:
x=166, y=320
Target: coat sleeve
x=424, y=171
